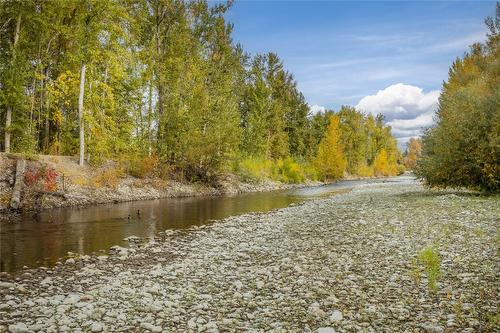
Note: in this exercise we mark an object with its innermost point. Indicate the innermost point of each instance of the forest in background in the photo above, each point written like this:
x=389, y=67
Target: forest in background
x=159, y=87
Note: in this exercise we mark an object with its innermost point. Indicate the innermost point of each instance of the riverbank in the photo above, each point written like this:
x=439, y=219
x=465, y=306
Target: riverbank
x=75, y=185
x=350, y=262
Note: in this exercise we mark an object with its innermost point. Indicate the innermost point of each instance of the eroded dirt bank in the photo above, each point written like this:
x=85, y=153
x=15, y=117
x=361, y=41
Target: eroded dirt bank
x=348, y=263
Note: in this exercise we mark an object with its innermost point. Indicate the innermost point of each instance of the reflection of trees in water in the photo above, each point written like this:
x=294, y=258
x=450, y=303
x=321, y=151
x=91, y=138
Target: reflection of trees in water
x=42, y=239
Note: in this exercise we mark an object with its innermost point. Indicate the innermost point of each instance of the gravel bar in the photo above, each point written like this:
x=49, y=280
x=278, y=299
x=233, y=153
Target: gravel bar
x=346, y=263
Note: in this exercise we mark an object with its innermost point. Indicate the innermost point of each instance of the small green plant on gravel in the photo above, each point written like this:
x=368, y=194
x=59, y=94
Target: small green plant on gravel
x=391, y=228
x=416, y=274
x=447, y=231
x=492, y=321
x=457, y=309
x=429, y=259
x=479, y=233
x=496, y=242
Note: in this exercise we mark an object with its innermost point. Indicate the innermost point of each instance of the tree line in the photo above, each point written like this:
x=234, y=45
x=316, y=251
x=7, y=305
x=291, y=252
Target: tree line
x=463, y=148
x=160, y=86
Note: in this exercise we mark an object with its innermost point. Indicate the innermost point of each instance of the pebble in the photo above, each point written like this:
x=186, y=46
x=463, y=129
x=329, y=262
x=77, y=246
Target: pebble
x=36, y=327
x=96, y=327
x=46, y=281
x=6, y=285
x=430, y=328
x=316, y=311
x=325, y=330
x=72, y=299
x=18, y=328
x=192, y=323
x=336, y=316
x=151, y=327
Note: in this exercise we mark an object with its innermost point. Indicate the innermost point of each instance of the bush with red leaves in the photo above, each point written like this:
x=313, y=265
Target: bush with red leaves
x=45, y=177
x=31, y=177
x=50, y=179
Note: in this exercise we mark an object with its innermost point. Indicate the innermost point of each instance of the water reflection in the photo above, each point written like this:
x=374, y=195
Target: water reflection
x=43, y=238
x=40, y=239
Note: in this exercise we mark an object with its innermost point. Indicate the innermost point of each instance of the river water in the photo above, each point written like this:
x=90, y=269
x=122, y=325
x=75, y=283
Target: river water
x=42, y=239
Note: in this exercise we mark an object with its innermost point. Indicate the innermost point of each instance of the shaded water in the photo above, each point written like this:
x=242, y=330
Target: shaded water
x=41, y=239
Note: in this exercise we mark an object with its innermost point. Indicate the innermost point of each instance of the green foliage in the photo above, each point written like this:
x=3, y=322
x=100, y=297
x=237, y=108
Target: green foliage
x=253, y=169
x=431, y=262
x=259, y=169
x=288, y=171
x=198, y=128
x=463, y=149
x=167, y=93
x=24, y=156
x=144, y=166
x=354, y=137
x=310, y=171
x=274, y=113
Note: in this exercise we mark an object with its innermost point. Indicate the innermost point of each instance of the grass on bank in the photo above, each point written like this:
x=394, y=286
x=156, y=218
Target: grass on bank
x=247, y=169
x=252, y=169
x=283, y=170
x=431, y=262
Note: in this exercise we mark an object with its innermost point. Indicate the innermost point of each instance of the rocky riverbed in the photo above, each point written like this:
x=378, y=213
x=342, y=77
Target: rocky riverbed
x=348, y=263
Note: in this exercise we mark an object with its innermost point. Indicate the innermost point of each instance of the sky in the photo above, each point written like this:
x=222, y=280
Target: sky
x=382, y=57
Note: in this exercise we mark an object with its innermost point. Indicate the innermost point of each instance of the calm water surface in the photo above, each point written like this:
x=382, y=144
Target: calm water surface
x=41, y=239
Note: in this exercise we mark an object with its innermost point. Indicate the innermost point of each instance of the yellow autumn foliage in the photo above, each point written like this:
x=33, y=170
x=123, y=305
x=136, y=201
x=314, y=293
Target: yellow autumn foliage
x=330, y=161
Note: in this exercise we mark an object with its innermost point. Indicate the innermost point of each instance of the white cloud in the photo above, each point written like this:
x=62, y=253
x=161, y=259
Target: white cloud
x=407, y=109
x=317, y=109
x=399, y=101
x=424, y=120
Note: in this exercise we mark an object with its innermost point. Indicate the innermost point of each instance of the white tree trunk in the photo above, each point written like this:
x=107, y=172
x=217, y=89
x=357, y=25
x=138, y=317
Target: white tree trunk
x=80, y=115
x=8, y=121
x=15, y=201
x=8, y=118
x=150, y=117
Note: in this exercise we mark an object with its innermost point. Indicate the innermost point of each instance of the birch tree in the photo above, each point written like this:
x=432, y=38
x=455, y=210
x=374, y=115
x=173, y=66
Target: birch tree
x=8, y=117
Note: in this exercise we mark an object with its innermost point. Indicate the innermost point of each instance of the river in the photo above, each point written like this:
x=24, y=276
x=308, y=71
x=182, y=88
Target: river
x=43, y=238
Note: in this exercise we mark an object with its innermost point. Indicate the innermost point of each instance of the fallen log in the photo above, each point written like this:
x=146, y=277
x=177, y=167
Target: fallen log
x=15, y=201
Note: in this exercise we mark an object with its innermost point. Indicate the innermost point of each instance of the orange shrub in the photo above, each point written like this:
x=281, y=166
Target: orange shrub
x=144, y=167
x=109, y=177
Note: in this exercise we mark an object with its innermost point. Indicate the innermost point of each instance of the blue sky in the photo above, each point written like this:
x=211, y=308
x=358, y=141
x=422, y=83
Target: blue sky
x=342, y=52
